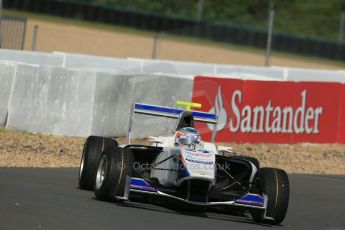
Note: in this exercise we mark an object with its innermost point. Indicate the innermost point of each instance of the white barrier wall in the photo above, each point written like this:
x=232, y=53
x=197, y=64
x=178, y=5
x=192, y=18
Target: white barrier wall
x=111, y=104
x=147, y=66
x=115, y=94
x=72, y=102
x=162, y=90
x=274, y=73
x=175, y=67
x=114, y=65
x=297, y=74
x=51, y=100
x=28, y=57
x=79, y=95
x=7, y=73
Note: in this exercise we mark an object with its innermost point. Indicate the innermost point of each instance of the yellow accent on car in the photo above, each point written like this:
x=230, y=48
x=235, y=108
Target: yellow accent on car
x=188, y=105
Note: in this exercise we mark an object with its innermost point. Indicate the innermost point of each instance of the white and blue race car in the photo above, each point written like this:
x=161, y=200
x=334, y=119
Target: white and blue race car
x=184, y=169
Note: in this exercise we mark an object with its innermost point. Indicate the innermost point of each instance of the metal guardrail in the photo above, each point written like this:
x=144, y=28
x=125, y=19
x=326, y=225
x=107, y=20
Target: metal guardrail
x=12, y=32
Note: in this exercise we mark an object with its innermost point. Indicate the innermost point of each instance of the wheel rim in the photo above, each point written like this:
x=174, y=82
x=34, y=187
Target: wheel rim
x=81, y=168
x=101, y=169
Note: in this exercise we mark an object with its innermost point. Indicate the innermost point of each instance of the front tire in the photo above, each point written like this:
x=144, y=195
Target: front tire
x=274, y=183
x=93, y=148
x=114, y=165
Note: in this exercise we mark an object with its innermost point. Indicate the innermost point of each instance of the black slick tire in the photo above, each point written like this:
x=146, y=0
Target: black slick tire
x=274, y=183
x=114, y=166
x=93, y=148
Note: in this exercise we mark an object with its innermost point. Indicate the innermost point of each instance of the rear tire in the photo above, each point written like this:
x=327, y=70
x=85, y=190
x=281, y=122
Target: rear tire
x=93, y=148
x=274, y=183
x=114, y=165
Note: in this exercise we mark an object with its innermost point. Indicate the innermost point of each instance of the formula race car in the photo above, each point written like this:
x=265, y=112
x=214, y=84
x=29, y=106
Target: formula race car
x=183, y=169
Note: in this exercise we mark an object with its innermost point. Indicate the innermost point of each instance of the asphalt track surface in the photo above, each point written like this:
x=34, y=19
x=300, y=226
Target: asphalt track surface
x=50, y=199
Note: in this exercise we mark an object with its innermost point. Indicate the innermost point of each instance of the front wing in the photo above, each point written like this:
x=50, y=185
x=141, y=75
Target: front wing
x=249, y=200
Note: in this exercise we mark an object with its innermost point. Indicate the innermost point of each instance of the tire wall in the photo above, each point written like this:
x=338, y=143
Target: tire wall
x=80, y=95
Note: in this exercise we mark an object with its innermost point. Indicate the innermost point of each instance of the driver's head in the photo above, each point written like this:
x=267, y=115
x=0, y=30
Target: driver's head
x=187, y=137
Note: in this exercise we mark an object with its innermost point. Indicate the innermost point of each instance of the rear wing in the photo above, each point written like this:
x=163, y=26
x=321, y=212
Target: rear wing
x=162, y=111
x=173, y=113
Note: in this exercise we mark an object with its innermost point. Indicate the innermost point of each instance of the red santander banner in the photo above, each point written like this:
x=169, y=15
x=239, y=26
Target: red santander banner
x=272, y=111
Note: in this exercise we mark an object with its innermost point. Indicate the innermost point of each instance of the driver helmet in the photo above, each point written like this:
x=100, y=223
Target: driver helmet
x=187, y=137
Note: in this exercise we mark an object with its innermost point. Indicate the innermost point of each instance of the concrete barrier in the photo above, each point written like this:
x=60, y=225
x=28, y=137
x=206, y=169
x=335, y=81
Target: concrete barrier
x=274, y=73
x=111, y=104
x=80, y=95
x=298, y=74
x=158, y=90
x=197, y=68
x=51, y=100
x=175, y=67
x=23, y=107
x=29, y=57
x=114, y=65
x=115, y=94
x=7, y=74
x=71, y=102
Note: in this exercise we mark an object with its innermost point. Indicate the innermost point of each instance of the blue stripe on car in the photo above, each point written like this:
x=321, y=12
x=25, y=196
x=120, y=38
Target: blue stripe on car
x=161, y=109
x=251, y=199
x=141, y=184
